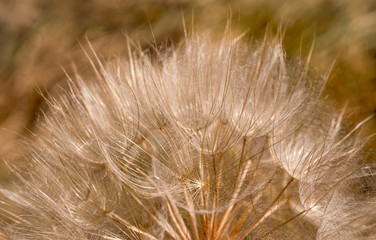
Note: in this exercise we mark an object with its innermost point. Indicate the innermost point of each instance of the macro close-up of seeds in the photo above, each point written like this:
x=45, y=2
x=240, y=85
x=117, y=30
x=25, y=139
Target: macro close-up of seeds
x=162, y=120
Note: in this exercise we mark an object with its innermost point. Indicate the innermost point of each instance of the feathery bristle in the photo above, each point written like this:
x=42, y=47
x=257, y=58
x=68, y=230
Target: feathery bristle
x=210, y=140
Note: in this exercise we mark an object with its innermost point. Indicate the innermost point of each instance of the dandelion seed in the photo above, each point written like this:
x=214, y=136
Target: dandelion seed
x=212, y=140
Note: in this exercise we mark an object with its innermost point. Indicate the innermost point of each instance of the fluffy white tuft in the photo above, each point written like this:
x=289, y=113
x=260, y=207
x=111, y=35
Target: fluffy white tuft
x=209, y=140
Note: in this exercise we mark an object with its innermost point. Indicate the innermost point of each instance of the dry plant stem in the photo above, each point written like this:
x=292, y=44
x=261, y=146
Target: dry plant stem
x=271, y=209
x=161, y=221
x=177, y=219
x=192, y=216
x=242, y=174
x=126, y=224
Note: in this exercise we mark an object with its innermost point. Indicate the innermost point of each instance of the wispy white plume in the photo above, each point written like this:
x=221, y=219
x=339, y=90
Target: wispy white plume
x=212, y=139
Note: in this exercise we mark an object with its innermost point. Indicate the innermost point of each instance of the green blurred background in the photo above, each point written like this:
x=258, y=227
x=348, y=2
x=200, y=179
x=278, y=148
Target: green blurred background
x=40, y=38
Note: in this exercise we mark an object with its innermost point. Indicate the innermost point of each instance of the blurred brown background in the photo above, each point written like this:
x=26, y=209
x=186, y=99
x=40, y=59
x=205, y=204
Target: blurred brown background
x=40, y=38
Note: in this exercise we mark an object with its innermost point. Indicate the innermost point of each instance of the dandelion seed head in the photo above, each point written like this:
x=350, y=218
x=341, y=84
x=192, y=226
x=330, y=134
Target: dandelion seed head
x=212, y=139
